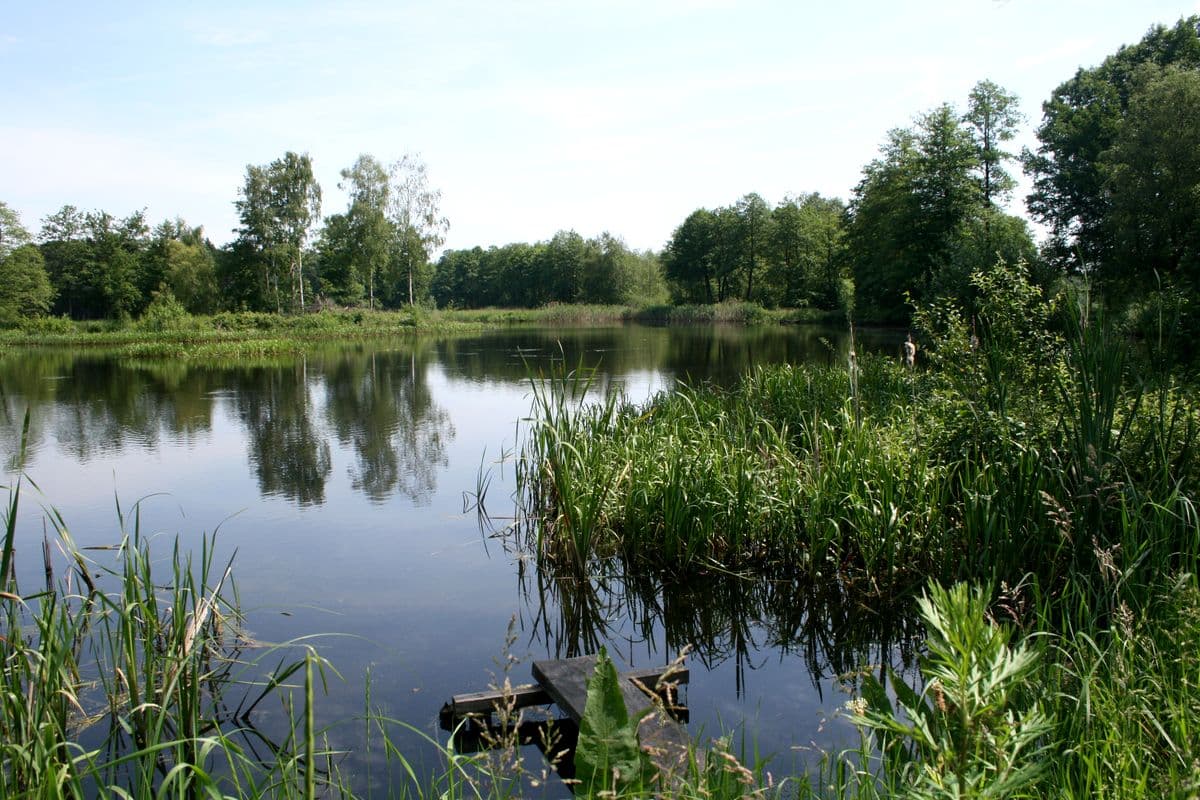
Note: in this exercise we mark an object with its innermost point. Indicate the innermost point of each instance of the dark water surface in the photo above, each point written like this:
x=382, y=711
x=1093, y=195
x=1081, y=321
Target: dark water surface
x=339, y=479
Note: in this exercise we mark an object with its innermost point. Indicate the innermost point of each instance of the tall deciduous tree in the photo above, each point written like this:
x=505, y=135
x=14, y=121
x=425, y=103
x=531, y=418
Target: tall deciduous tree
x=688, y=259
x=753, y=230
x=297, y=202
x=415, y=210
x=369, y=232
x=993, y=115
x=12, y=232
x=25, y=289
x=96, y=262
x=1081, y=121
x=807, y=239
x=1152, y=176
x=907, y=211
x=278, y=205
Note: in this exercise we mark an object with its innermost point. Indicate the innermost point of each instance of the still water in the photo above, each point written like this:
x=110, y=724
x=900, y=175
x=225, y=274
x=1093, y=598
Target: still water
x=341, y=479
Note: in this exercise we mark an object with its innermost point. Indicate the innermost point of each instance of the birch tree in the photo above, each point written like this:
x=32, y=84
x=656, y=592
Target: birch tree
x=415, y=211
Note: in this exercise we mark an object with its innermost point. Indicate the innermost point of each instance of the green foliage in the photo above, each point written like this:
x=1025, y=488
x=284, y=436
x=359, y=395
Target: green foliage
x=1006, y=352
x=607, y=756
x=992, y=113
x=908, y=210
x=278, y=204
x=786, y=256
x=976, y=729
x=566, y=269
x=1083, y=120
x=25, y=290
x=12, y=232
x=1152, y=173
x=164, y=313
x=48, y=326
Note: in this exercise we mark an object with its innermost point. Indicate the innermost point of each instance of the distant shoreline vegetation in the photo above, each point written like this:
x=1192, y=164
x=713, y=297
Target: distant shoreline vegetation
x=166, y=330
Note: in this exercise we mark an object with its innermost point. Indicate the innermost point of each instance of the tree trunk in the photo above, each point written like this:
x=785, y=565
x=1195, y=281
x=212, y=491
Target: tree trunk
x=300, y=270
x=410, y=282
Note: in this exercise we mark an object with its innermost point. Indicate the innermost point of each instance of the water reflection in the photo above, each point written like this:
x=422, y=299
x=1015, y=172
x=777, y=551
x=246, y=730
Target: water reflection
x=288, y=452
x=719, y=355
x=721, y=618
x=381, y=407
x=376, y=404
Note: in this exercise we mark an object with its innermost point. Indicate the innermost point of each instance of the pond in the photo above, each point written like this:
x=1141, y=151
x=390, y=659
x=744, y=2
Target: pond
x=343, y=480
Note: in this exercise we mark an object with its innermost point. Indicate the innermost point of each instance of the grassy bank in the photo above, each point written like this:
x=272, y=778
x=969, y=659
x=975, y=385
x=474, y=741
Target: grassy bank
x=1045, y=464
x=172, y=333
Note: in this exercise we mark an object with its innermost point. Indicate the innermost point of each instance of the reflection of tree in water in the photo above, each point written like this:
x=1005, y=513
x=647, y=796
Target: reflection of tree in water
x=722, y=617
x=287, y=452
x=96, y=405
x=26, y=384
x=380, y=404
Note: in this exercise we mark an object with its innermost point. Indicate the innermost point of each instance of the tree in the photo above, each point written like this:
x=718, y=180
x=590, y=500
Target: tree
x=907, y=211
x=297, y=203
x=95, y=262
x=993, y=115
x=25, y=289
x=461, y=279
x=607, y=271
x=688, y=258
x=562, y=263
x=414, y=210
x=807, y=239
x=181, y=259
x=68, y=259
x=192, y=275
x=340, y=276
x=368, y=230
x=1081, y=121
x=753, y=230
x=277, y=206
x=1152, y=176
x=982, y=242
x=12, y=232
x=256, y=245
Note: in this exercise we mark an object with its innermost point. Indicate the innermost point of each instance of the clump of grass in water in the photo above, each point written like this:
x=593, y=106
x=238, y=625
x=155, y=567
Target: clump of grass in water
x=152, y=656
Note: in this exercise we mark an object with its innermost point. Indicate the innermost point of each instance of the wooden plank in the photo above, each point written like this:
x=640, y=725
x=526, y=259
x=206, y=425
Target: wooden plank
x=529, y=694
x=532, y=694
x=661, y=736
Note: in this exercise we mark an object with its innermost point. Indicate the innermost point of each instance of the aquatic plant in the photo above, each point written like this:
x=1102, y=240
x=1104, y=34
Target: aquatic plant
x=976, y=729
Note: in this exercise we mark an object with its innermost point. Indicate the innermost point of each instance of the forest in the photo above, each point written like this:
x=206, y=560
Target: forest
x=1116, y=184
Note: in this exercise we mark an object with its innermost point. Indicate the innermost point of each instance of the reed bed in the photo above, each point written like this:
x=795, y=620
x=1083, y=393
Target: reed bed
x=1055, y=469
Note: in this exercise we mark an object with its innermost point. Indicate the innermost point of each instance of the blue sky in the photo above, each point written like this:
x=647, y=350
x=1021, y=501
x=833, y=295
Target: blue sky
x=536, y=116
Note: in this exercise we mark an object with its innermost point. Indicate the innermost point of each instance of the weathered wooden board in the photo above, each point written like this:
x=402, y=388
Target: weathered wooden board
x=566, y=681
x=532, y=694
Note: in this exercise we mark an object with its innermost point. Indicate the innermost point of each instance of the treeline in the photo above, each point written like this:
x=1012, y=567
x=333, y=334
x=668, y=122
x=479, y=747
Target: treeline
x=93, y=265
x=790, y=255
x=1116, y=179
x=565, y=269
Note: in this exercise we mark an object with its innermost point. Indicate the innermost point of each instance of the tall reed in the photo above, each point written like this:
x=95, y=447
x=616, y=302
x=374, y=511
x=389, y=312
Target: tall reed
x=123, y=682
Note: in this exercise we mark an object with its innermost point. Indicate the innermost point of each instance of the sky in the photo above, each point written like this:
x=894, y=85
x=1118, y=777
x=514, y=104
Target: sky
x=532, y=117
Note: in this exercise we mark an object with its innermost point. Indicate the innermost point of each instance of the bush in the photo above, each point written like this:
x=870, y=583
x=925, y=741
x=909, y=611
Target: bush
x=164, y=313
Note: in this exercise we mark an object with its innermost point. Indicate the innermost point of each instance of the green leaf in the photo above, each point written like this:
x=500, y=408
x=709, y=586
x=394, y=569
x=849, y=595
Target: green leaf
x=607, y=755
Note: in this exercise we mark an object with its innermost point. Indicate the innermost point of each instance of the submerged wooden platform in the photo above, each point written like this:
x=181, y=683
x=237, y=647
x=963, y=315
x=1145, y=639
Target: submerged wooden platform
x=564, y=683
x=469, y=704
x=659, y=733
